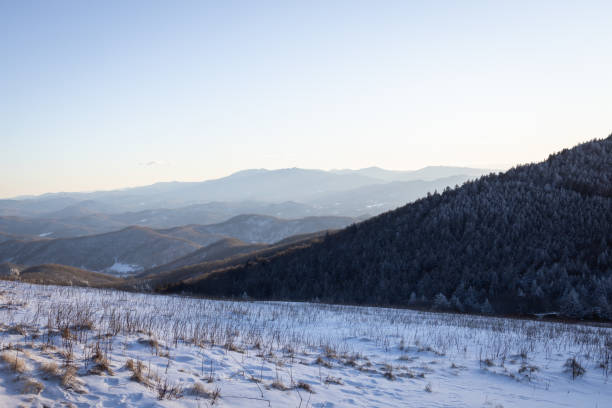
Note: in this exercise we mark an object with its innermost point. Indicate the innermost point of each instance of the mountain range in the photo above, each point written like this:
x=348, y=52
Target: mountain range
x=256, y=186
x=136, y=248
x=136, y=229
x=537, y=238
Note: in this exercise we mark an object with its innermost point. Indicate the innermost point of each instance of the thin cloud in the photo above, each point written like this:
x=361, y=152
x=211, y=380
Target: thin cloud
x=154, y=163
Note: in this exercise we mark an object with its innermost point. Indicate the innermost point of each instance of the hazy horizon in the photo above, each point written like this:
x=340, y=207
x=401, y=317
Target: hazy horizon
x=230, y=174
x=122, y=94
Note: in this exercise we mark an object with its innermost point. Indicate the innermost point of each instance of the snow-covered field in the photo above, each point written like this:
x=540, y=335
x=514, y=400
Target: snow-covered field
x=64, y=346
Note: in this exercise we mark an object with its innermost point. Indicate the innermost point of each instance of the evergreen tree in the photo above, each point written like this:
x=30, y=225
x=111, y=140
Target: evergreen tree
x=440, y=302
x=571, y=306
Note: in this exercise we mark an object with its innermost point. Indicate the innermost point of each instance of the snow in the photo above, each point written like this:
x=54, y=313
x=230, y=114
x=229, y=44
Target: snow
x=348, y=356
x=123, y=269
x=45, y=234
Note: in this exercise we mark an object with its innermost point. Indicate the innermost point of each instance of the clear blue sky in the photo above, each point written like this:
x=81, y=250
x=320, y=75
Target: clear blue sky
x=99, y=95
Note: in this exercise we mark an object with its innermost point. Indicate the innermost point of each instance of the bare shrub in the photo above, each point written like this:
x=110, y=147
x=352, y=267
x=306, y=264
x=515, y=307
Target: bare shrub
x=574, y=367
x=216, y=394
x=166, y=390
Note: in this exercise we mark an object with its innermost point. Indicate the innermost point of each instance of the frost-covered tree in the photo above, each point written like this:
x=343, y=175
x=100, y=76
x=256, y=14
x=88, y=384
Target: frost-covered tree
x=441, y=302
x=456, y=304
x=570, y=305
x=486, y=308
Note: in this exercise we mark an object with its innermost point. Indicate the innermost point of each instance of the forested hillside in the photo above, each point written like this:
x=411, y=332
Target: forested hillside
x=537, y=238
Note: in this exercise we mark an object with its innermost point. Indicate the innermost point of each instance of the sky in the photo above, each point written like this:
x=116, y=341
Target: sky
x=111, y=94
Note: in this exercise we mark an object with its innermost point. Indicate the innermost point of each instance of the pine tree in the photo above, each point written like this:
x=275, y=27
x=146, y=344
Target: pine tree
x=440, y=302
x=571, y=306
x=456, y=304
x=486, y=308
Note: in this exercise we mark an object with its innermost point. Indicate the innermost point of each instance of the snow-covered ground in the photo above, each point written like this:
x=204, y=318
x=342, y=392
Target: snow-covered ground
x=64, y=346
x=122, y=269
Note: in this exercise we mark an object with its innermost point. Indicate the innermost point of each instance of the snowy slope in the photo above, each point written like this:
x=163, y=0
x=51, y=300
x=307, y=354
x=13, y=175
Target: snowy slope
x=254, y=354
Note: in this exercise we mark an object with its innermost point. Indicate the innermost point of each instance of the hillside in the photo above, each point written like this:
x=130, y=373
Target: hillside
x=537, y=238
x=34, y=228
x=378, y=198
x=211, y=213
x=180, y=351
x=264, y=229
x=222, y=249
x=226, y=255
x=51, y=274
x=123, y=251
x=134, y=249
x=10, y=270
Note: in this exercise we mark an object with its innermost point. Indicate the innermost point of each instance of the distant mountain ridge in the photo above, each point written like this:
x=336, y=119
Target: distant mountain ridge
x=285, y=193
x=259, y=185
x=428, y=173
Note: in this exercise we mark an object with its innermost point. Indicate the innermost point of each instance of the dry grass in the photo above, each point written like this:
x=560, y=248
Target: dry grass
x=70, y=380
x=278, y=385
x=14, y=362
x=85, y=324
x=19, y=329
x=228, y=326
x=388, y=372
x=67, y=334
x=102, y=365
x=167, y=390
x=199, y=390
x=321, y=361
x=32, y=386
x=304, y=386
x=129, y=364
x=333, y=380
x=138, y=375
x=151, y=342
x=574, y=367
x=51, y=369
